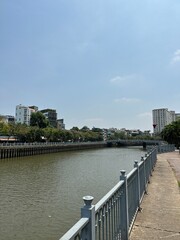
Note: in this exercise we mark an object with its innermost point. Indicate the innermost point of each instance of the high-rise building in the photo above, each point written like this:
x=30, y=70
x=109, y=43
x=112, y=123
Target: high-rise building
x=23, y=114
x=161, y=118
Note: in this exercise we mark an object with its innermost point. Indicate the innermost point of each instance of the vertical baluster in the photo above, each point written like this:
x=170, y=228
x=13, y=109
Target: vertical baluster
x=124, y=208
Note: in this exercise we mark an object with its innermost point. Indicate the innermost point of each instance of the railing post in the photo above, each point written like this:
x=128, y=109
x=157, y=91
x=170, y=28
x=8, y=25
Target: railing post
x=124, y=208
x=138, y=182
x=145, y=181
x=150, y=163
x=147, y=167
x=153, y=157
x=88, y=211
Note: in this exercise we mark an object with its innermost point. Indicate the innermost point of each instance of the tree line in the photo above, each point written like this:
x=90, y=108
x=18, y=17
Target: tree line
x=40, y=130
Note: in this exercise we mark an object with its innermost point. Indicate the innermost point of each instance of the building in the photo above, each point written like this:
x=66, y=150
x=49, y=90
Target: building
x=135, y=132
x=51, y=115
x=177, y=116
x=161, y=118
x=7, y=119
x=23, y=114
x=60, y=124
x=34, y=107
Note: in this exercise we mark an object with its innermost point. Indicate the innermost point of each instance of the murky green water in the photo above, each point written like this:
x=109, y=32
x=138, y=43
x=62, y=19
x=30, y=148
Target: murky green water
x=41, y=196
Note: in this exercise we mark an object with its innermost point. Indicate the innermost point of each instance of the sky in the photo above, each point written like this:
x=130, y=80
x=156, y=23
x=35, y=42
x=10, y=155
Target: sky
x=99, y=63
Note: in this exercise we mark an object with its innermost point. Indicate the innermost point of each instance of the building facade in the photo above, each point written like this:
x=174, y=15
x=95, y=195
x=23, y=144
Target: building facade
x=177, y=116
x=161, y=118
x=60, y=124
x=23, y=114
x=7, y=119
x=51, y=115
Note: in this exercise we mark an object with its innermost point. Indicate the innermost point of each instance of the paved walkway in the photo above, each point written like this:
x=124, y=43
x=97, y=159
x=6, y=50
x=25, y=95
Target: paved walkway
x=160, y=215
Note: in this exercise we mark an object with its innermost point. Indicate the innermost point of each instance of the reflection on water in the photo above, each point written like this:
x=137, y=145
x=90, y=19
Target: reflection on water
x=41, y=196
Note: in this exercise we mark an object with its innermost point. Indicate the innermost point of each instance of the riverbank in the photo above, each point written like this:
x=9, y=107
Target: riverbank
x=159, y=218
x=26, y=149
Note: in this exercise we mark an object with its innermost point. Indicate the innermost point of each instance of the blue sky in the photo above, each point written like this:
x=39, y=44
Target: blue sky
x=99, y=63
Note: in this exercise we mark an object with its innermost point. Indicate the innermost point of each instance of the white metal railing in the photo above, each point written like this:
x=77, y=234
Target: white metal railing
x=113, y=216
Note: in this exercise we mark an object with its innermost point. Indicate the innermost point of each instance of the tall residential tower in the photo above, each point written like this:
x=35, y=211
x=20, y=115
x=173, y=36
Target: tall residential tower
x=161, y=118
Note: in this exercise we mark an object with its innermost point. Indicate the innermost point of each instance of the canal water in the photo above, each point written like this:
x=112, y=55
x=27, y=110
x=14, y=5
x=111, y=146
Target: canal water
x=41, y=196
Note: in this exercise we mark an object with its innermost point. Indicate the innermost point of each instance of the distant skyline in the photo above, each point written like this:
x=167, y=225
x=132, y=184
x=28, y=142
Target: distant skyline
x=98, y=63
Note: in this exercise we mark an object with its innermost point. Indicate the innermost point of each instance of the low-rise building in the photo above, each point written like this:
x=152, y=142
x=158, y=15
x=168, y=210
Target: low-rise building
x=60, y=124
x=51, y=115
x=23, y=114
x=7, y=119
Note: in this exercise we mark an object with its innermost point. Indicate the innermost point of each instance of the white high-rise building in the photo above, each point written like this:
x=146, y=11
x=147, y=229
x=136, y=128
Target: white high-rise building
x=161, y=118
x=23, y=114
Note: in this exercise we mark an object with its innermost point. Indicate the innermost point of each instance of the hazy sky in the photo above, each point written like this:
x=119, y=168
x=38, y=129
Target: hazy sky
x=102, y=63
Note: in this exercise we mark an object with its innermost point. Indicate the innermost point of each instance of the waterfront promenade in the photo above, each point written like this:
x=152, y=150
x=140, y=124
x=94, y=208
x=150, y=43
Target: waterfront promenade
x=160, y=214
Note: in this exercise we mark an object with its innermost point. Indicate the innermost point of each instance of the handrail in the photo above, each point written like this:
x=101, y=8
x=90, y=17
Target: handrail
x=113, y=216
x=50, y=143
x=75, y=231
x=108, y=196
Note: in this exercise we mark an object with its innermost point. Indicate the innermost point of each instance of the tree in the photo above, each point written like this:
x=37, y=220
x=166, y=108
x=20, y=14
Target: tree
x=4, y=128
x=171, y=133
x=99, y=130
x=21, y=131
x=74, y=129
x=39, y=120
x=34, y=134
x=85, y=129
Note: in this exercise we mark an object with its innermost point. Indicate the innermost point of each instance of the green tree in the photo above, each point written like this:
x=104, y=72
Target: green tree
x=34, y=134
x=21, y=131
x=48, y=134
x=171, y=133
x=4, y=128
x=99, y=130
x=39, y=120
x=85, y=129
x=53, y=135
x=75, y=129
